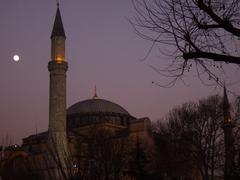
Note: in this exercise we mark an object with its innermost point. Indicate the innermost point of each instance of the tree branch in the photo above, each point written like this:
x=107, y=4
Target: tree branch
x=224, y=23
x=213, y=56
x=208, y=26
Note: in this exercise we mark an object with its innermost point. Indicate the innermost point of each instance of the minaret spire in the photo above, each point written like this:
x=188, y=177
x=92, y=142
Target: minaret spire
x=227, y=127
x=58, y=29
x=58, y=38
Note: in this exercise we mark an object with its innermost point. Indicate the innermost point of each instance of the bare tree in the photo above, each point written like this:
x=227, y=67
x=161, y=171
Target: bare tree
x=102, y=154
x=195, y=139
x=236, y=136
x=197, y=33
x=175, y=151
x=18, y=164
x=138, y=161
x=209, y=137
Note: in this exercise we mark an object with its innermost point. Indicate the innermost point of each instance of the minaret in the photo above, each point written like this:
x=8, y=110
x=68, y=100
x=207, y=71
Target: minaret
x=57, y=138
x=228, y=138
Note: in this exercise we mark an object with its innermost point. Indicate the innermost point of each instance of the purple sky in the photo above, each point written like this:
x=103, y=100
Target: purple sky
x=101, y=49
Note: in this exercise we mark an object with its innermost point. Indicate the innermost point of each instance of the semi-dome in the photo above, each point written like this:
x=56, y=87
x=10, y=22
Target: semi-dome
x=96, y=110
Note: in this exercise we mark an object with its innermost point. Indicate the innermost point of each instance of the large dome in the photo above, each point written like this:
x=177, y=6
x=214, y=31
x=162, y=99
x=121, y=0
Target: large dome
x=96, y=111
x=96, y=106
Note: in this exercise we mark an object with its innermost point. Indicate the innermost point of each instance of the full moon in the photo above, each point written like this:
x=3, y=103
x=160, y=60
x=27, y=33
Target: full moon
x=16, y=58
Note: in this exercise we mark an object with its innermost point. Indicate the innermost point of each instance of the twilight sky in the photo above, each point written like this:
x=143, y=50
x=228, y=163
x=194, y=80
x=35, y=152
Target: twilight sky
x=101, y=49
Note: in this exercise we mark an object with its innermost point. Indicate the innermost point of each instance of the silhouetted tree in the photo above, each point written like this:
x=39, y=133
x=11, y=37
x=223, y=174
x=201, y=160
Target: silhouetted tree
x=197, y=33
x=236, y=135
x=103, y=154
x=19, y=163
x=138, y=161
x=18, y=167
x=174, y=148
x=194, y=139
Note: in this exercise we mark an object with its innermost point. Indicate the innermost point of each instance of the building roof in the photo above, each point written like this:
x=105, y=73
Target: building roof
x=58, y=29
x=93, y=111
x=36, y=138
x=96, y=106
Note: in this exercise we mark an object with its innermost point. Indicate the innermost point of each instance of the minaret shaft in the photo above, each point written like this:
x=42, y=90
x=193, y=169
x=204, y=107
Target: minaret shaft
x=57, y=96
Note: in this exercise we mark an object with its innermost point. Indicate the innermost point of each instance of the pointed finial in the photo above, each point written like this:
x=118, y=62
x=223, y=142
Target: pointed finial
x=57, y=3
x=225, y=97
x=58, y=29
x=95, y=93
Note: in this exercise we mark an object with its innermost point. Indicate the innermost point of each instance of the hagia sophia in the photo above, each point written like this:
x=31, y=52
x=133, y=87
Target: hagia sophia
x=68, y=126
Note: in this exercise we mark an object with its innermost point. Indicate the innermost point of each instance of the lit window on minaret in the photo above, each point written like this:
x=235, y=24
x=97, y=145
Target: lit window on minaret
x=58, y=48
x=229, y=119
